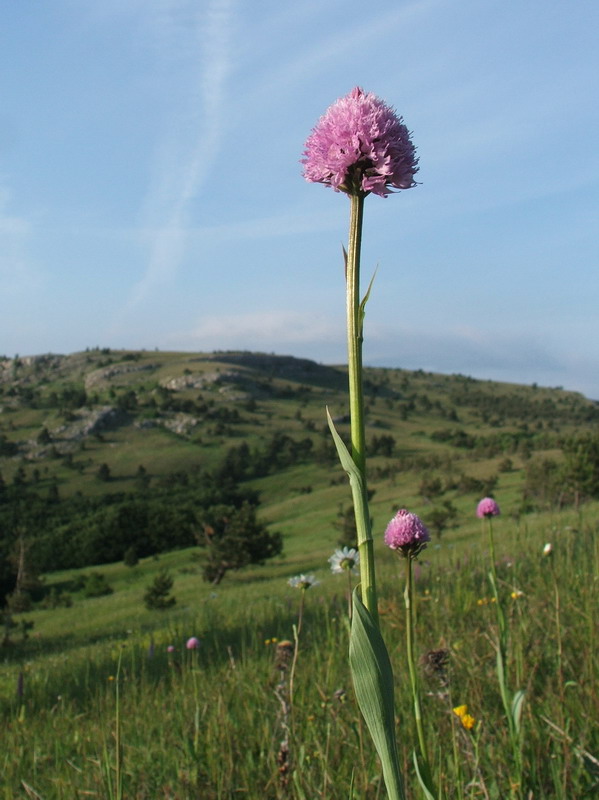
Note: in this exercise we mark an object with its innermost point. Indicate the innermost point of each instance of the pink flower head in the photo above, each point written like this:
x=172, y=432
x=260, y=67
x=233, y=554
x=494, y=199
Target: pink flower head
x=170, y=648
x=192, y=643
x=359, y=146
x=407, y=533
x=487, y=508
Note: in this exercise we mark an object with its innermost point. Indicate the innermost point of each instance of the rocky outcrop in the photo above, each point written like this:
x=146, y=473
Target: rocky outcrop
x=89, y=423
x=105, y=374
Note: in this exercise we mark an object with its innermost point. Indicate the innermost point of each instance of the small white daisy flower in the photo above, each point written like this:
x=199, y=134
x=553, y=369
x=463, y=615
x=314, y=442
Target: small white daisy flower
x=344, y=560
x=302, y=581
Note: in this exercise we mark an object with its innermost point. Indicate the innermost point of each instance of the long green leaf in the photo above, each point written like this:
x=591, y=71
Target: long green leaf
x=421, y=781
x=373, y=683
x=356, y=483
x=517, y=705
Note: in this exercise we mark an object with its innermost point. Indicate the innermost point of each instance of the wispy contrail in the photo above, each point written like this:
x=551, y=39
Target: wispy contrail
x=193, y=144
x=17, y=275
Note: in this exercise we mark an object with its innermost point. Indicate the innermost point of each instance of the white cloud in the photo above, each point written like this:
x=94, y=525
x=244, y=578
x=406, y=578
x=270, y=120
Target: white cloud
x=504, y=356
x=495, y=355
x=461, y=349
x=311, y=335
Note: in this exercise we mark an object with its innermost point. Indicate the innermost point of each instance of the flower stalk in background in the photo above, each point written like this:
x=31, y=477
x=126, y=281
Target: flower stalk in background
x=408, y=536
x=346, y=560
x=303, y=583
x=512, y=701
x=487, y=509
x=360, y=146
x=548, y=554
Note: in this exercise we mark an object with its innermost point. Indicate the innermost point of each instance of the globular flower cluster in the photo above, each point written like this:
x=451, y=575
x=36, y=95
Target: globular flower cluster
x=192, y=643
x=344, y=560
x=487, y=508
x=359, y=146
x=407, y=533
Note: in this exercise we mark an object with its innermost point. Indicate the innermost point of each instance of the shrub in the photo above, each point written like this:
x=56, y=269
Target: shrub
x=130, y=559
x=95, y=585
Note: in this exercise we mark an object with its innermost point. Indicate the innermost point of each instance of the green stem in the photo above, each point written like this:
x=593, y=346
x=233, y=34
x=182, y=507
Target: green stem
x=492, y=553
x=408, y=598
x=502, y=665
x=118, y=775
x=356, y=402
x=501, y=621
x=297, y=629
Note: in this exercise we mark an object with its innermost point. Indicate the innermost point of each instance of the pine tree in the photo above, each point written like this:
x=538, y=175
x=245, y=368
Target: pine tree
x=234, y=539
x=156, y=596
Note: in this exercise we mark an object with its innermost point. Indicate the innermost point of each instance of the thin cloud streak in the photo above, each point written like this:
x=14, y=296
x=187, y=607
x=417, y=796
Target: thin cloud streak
x=331, y=49
x=283, y=327
x=17, y=275
x=186, y=160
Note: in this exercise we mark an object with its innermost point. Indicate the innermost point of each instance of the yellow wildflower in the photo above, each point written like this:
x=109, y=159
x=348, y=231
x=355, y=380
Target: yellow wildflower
x=466, y=719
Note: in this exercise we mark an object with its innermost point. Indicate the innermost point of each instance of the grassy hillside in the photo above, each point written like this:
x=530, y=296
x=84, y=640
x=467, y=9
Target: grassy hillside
x=95, y=705
x=62, y=417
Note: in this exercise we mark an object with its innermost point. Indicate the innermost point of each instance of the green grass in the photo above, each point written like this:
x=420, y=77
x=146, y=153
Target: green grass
x=207, y=724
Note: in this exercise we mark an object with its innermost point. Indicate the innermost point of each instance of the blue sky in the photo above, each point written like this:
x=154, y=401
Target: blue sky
x=151, y=193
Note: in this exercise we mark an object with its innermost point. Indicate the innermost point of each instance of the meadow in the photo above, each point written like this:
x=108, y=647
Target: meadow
x=103, y=699
x=93, y=704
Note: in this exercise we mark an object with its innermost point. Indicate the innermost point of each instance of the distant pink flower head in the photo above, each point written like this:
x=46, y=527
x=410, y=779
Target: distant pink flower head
x=170, y=648
x=487, y=508
x=407, y=533
x=192, y=643
x=359, y=146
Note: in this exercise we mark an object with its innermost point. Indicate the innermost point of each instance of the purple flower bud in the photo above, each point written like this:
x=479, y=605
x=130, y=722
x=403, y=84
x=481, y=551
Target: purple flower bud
x=192, y=643
x=487, y=508
x=407, y=533
x=359, y=146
